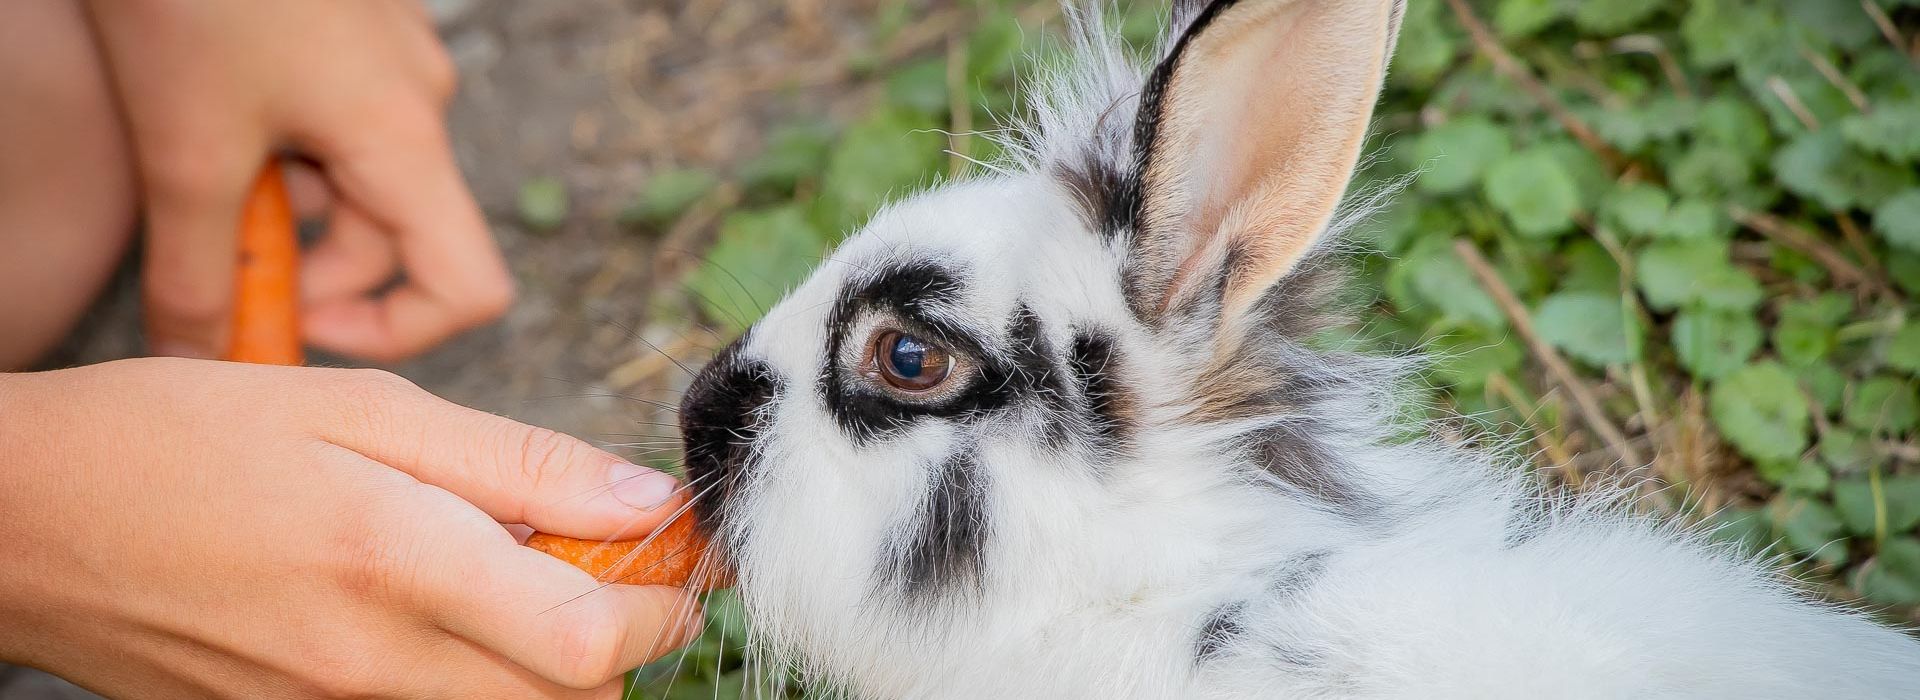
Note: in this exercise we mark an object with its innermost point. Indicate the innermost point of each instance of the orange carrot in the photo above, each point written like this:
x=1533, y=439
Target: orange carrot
x=266, y=330
x=266, y=302
x=670, y=559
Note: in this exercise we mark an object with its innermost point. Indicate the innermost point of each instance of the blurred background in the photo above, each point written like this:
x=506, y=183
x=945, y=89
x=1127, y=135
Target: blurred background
x=1679, y=233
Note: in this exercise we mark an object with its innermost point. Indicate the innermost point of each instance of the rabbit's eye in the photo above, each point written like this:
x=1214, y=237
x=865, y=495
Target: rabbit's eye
x=908, y=363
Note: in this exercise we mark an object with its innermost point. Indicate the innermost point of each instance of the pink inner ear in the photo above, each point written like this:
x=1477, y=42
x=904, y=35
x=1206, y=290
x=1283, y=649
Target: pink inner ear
x=1267, y=115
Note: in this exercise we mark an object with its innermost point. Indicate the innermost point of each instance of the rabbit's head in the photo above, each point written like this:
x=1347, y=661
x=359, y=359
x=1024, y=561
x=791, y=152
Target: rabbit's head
x=1069, y=402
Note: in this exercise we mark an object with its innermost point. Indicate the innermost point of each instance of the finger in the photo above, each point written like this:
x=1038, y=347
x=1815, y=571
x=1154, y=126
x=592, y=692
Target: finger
x=353, y=259
x=192, y=243
x=467, y=670
x=515, y=472
x=307, y=188
x=402, y=175
x=541, y=613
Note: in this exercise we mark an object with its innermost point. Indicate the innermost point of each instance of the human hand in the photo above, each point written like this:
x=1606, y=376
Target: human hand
x=185, y=528
x=213, y=88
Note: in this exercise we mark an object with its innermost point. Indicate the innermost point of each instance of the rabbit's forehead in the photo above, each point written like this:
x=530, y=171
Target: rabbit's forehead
x=1000, y=244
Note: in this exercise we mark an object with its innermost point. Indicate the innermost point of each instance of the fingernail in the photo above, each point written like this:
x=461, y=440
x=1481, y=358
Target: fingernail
x=640, y=487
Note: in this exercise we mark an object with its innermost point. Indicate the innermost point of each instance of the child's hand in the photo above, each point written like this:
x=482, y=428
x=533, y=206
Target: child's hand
x=211, y=88
x=183, y=528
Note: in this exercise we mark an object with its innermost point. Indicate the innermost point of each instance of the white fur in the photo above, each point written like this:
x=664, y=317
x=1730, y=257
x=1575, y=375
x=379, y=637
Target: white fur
x=1098, y=575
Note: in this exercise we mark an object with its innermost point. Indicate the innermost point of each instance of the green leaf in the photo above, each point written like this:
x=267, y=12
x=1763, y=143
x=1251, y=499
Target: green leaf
x=1797, y=476
x=1436, y=276
x=1515, y=19
x=795, y=152
x=1731, y=122
x=880, y=157
x=1899, y=503
x=1592, y=327
x=1588, y=268
x=1826, y=385
x=1746, y=527
x=1680, y=273
x=1903, y=349
x=1426, y=46
x=1888, y=130
x=1898, y=219
x=1613, y=16
x=1809, y=526
x=1819, y=165
x=1892, y=577
x=543, y=203
x=1805, y=331
x=1759, y=408
x=1466, y=360
x=1847, y=451
x=667, y=195
x=1454, y=154
x=1883, y=404
x=1904, y=267
x=1637, y=209
x=1536, y=193
x=1694, y=219
x=1838, y=22
x=759, y=256
x=920, y=86
x=1712, y=343
x=1708, y=170
x=1720, y=32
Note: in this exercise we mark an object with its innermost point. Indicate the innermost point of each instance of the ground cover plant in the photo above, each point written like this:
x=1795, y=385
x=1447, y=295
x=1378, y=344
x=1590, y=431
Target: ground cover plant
x=1670, y=240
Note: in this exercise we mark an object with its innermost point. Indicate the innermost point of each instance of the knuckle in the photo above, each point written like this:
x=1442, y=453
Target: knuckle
x=540, y=454
x=591, y=648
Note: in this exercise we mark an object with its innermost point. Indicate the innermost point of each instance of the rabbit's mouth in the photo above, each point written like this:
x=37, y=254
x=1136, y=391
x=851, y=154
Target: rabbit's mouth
x=720, y=419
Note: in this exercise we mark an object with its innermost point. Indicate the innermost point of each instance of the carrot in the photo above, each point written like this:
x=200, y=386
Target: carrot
x=671, y=558
x=266, y=302
x=266, y=330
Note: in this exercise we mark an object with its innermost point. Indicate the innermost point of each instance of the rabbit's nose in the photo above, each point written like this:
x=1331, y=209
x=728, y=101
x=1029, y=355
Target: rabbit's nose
x=722, y=418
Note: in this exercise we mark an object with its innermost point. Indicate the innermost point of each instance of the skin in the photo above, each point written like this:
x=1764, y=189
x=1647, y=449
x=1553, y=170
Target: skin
x=343, y=538
x=189, y=528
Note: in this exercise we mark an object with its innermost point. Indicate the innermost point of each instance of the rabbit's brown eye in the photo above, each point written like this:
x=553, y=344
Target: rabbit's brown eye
x=908, y=363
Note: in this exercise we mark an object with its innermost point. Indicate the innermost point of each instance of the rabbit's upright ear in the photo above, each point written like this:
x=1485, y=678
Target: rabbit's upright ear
x=1248, y=132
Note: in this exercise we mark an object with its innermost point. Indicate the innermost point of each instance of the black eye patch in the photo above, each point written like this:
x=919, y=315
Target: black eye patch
x=921, y=297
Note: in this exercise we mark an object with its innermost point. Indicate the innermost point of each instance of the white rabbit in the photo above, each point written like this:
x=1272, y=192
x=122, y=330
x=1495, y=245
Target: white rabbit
x=1055, y=432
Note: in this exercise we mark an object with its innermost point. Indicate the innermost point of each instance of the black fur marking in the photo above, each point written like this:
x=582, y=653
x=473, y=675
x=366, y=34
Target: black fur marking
x=1219, y=629
x=1300, y=574
x=719, y=417
x=1108, y=407
x=949, y=535
x=1290, y=452
x=916, y=294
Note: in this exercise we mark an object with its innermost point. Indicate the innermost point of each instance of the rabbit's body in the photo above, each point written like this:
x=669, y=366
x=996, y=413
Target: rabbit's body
x=1058, y=432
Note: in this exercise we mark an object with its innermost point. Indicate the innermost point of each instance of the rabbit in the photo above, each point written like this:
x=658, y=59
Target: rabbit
x=1062, y=430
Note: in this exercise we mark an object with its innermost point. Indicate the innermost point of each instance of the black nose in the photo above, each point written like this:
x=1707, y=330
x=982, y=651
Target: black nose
x=720, y=425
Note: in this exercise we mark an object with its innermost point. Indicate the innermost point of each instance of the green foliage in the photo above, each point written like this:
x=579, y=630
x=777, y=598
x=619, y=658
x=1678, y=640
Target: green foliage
x=543, y=203
x=1590, y=326
x=667, y=195
x=1535, y=191
x=1760, y=410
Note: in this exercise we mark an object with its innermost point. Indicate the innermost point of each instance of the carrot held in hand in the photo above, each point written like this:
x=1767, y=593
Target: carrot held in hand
x=670, y=557
x=266, y=302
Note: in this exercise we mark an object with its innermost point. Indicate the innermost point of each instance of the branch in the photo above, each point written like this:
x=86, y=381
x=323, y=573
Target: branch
x=1506, y=64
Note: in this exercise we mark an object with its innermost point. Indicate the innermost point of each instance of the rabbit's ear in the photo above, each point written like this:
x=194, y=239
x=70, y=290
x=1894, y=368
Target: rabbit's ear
x=1247, y=135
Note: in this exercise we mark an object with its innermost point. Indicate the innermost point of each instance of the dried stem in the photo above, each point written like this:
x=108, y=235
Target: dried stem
x=1589, y=406
x=1839, y=80
x=1792, y=236
x=1791, y=99
x=1503, y=61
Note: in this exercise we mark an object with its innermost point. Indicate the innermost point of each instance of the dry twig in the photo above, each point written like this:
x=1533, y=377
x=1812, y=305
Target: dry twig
x=1503, y=61
x=1591, y=411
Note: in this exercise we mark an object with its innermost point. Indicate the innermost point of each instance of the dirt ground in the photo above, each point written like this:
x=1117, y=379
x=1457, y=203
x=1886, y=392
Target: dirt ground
x=599, y=94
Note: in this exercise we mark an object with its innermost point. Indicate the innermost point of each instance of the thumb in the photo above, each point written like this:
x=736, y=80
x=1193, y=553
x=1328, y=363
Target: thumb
x=515, y=472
